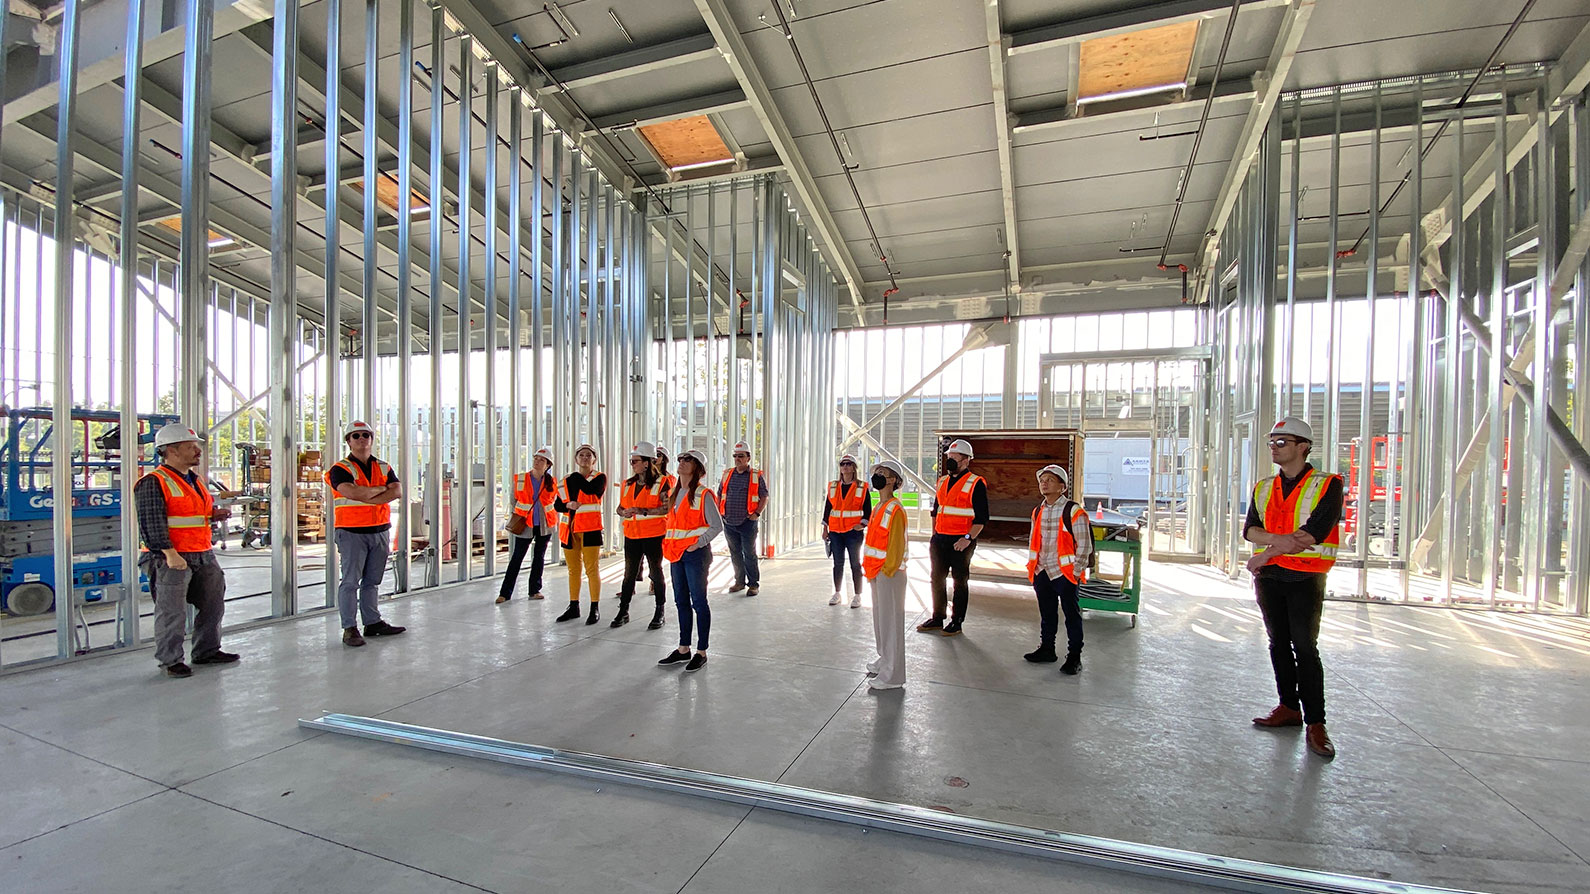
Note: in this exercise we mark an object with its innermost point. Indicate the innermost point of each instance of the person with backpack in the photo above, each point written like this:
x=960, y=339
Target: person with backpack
x=1058, y=549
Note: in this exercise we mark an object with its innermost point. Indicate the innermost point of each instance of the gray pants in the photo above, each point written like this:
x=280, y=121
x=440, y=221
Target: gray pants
x=363, y=566
x=201, y=584
x=888, y=627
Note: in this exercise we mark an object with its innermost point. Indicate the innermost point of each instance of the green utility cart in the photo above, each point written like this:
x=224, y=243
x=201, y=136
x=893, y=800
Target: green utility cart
x=1108, y=592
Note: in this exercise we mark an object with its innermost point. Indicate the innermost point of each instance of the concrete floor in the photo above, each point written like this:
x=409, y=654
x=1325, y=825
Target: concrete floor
x=1460, y=735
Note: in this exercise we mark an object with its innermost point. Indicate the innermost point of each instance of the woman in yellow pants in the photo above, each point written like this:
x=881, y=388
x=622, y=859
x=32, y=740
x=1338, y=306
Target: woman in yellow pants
x=580, y=502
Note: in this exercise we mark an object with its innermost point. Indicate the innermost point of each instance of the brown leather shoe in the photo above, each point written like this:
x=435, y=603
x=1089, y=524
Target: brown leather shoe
x=1319, y=741
x=1280, y=715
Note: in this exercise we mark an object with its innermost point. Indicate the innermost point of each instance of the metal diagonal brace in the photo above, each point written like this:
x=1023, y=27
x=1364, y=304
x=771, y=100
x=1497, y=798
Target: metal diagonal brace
x=988, y=335
x=1188, y=867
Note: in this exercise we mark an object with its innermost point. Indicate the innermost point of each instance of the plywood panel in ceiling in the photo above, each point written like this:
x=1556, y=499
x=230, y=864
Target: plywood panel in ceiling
x=688, y=141
x=1137, y=60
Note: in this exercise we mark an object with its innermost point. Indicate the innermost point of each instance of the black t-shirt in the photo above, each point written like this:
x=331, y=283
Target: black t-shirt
x=1320, y=522
x=340, y=476
x=577, y=484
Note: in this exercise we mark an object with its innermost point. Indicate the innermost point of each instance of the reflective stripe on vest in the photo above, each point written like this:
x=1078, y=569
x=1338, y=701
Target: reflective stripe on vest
x=753, y=493
x=686, y=523
x=875, y=549
x=587, y=514
x=955, y=512
x=187, y=511
x=633, y=496
x=349, y=513
x=844, y=512
x=524, y=498
x=1283, y=515
x=1065, y=546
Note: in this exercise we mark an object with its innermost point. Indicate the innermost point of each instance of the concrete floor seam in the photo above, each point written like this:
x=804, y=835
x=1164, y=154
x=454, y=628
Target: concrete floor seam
x=819, y=733
x=715, y=851
x=340, y=844
x=181, y=786
x=85, y=819
x=94, y=760
x=1505, y=800
x=1347, y=679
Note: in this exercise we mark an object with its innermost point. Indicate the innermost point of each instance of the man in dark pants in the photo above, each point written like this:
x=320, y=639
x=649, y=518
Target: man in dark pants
x=960, y=510
x=1294, y=517
x=174, y=513
x=1058, y=549
x=744, y=495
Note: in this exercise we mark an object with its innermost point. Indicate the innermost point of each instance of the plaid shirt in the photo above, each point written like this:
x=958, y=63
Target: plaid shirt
x=1049, y=522
x=739, y=493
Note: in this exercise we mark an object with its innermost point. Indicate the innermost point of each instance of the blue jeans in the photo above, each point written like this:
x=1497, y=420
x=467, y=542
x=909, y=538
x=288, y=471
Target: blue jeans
x=690, y=595
x=363, y=565
x=847, y=544
x=742, y=551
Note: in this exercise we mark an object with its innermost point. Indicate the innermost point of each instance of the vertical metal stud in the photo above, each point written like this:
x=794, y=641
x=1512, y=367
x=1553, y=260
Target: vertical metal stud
x=1366, y=397
x=489, y=271
x=65, y=311
x=405, y=287
x=538, y=431
x=283, y=318
x=369, y=332
x=463, y=463
x=515, y=461
x=195, y=243
x=331, y=413
x=436, y=342
x=127, y=614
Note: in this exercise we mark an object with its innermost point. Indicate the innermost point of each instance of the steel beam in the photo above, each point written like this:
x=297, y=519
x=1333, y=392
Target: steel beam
x=1571, y=73
x=1062, y=116
x=738, y=55
x=1107, y=24
x=998, y=44
x=673, y=109
x=638, y=61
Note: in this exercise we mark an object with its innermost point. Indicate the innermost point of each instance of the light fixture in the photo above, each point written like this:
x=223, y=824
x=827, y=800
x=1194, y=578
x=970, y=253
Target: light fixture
x=1128, y=94
x=222, y=241
x=701, y=164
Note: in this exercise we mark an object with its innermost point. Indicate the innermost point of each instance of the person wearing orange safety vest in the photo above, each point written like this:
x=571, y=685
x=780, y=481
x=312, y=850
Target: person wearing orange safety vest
x=884, y=554
x=960, y=510
x=643, y=506
x=580, y=501
x=363, y=488
x=1058, y=548
x=1294, y=517
x=845, y=515
x=174, y=510
x=533, y=495
x=693, y=521
x=744, y=495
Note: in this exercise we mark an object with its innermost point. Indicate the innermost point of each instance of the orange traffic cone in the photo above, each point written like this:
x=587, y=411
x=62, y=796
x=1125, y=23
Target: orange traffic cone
x=1098, y=510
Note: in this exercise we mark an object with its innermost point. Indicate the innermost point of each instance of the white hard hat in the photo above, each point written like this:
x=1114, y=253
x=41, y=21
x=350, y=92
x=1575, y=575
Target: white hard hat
x=644, y=450
x=1056, y=470
x=847, y=458
x=586, y=447
x=356, y=427
x=894, y=467
x=662, y=452
x=1295, y=427
x=742, y=447
x=175, y=433
x=696, y=455
x=546, y=454
x=961, y=446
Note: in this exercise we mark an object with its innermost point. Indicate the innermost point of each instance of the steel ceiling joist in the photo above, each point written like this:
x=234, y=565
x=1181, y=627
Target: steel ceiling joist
x=1268, y=84
x=1120, y=22
x=1571, y=74
x=683, y=107
x=998, y=43
x=738, y=55
x=639, y=61
x=1232, y=90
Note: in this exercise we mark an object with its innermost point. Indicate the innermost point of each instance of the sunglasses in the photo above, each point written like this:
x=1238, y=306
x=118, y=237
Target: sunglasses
x=1283, y=442
x=361, y=436
x=742, y=456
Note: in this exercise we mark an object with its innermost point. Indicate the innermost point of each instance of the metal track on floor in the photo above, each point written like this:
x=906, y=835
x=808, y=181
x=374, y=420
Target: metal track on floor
x=1161, y=862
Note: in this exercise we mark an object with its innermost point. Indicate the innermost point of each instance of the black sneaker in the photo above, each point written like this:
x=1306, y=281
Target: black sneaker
x=217, y=657
x=572, y=613
x=930, y=625
x=1072, y=665
x=1042, y=655
x=751, y=591
x=737, y=587
x=697, y=662
x=178, y=669
x=674, y=657
x=382, y=628
x=953, y=628
x=351, y=637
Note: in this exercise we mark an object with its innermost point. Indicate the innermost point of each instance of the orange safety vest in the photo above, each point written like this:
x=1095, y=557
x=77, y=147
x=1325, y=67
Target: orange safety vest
x=875, y=549
x=1283, y=515
x=753, y=494
x=1065, y=544
x=587, y=512
x=844, y=512
x=188, y=511
x=346, y=513
x=524, y=498
x=634, y=496
x=669, y=482
x=686, y=523
x=955, y=505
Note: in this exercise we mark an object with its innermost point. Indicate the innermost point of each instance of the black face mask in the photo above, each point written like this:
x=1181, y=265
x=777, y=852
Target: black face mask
x=950, y=466
x=879, y=482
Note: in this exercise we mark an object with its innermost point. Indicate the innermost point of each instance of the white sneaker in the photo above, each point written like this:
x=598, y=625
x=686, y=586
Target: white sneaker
x=855, y=601
x=874, y=684
x=873, y=667
x=835, y=599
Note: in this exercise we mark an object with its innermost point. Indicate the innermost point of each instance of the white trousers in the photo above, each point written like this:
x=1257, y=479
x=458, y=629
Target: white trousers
x=888, y=627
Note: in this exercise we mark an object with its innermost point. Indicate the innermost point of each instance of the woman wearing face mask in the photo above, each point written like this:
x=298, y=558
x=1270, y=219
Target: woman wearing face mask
x=534, y=494
x=693, y=521
x=845, y=516
x=885, y=553
x=580, y=501
x=643, y=505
